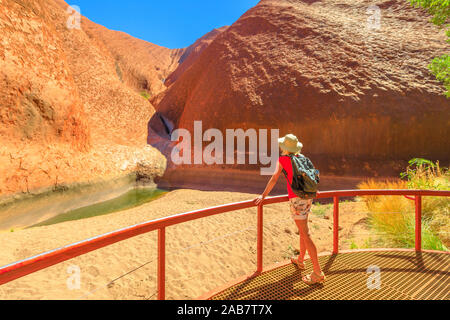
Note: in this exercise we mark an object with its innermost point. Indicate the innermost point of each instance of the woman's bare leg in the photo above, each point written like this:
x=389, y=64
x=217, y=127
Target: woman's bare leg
x=309, y=244
x=301, y=256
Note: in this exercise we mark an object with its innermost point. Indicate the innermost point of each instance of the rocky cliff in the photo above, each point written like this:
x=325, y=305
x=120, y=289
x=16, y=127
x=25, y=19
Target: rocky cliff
x=349, y=79
x=71, y=108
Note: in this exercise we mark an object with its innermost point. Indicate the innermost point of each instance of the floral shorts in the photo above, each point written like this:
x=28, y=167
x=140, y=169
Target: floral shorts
x=300, y=208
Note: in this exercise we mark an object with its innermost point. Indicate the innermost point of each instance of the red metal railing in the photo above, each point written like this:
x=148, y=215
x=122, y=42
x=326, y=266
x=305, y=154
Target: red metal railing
x=22, y=268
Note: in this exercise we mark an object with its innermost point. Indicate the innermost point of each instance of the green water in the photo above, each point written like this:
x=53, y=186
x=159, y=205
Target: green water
x=131, y=199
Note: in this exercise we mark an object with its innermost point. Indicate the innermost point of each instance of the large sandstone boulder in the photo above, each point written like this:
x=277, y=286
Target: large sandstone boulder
x=187, y=59
x=358, y=94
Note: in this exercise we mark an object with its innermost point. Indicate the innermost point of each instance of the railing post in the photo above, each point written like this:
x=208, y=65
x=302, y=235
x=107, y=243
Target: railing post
x=336, y=225
x=162, y=264
x=418, y=203
x=259, y=258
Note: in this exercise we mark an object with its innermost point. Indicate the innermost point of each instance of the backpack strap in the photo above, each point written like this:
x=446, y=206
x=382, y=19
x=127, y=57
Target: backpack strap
x=284, y=171
x=294, y=167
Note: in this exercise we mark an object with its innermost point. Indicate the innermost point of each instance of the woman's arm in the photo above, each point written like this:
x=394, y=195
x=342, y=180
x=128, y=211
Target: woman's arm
x=273, y=180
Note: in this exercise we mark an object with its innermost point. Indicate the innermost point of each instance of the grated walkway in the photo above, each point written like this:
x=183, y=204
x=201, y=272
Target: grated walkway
x=404, y=275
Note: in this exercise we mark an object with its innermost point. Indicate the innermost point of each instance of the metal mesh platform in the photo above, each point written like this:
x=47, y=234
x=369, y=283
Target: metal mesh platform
x=404, y=275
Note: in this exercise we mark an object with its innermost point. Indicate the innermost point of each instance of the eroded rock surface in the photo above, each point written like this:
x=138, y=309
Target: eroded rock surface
x=71, y=107
x=359, y=97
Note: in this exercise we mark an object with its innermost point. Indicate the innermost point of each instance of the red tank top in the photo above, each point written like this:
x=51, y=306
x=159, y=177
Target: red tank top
x=285, y=162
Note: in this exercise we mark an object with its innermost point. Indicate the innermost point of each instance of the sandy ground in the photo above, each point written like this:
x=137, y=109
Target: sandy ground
x=201, y=255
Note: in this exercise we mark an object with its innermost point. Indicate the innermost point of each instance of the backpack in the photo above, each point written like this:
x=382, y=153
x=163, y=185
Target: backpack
x=305, y=178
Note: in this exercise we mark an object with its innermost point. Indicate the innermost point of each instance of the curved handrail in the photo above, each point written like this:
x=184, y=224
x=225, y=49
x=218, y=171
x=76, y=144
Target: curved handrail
x=44, y=260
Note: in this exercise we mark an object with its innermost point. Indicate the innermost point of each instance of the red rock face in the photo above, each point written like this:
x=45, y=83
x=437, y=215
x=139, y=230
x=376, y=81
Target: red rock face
x=39, y=97
x=143, y=65
x=356, y=96
x=70, y=103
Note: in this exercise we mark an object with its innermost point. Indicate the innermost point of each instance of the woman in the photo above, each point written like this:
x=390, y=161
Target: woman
x=300, y=208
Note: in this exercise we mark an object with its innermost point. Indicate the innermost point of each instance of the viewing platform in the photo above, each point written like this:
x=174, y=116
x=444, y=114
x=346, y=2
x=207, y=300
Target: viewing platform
x=404, y=275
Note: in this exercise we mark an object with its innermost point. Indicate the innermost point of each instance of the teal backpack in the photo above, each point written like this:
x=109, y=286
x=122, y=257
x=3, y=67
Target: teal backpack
x=305, y=179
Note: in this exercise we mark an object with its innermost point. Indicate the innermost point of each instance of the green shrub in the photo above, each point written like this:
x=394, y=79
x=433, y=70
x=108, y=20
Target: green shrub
x=145, y=95
x=440, y=11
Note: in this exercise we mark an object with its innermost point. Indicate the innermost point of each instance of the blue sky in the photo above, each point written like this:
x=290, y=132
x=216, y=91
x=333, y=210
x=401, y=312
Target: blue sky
x=172, y=24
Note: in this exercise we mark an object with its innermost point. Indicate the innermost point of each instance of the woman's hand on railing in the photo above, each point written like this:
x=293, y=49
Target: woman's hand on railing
x=259, y=200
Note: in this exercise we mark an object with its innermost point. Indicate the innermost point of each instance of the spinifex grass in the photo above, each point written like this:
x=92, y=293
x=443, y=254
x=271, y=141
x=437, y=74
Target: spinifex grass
x=394, y=216
x=321, y=209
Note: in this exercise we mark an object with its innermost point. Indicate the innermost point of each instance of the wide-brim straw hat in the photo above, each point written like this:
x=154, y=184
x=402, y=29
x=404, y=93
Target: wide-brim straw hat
x=290, y=143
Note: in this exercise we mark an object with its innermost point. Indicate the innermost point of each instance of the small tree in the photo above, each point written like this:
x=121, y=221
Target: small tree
x=440, y=10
